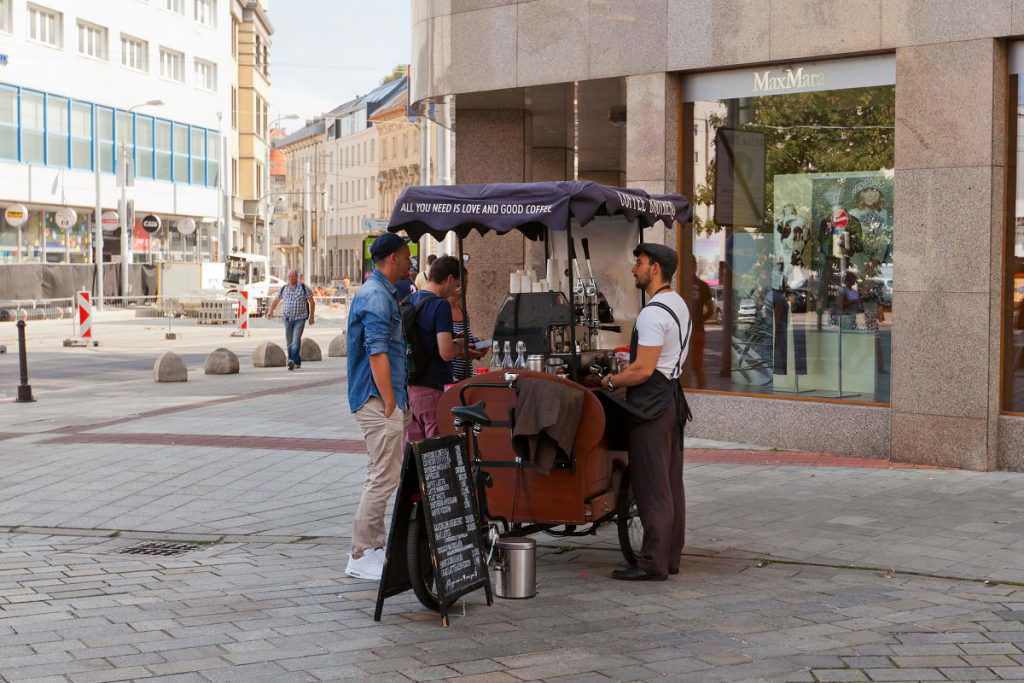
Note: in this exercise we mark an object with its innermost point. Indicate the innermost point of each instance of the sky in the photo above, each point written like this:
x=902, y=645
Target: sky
x=325, y=52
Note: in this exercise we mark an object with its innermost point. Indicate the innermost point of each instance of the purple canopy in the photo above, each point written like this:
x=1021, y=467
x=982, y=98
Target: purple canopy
x=530, y=208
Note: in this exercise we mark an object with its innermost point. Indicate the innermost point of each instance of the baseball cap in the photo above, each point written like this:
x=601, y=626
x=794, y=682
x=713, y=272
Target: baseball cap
x=385, y=245
x=664, y=256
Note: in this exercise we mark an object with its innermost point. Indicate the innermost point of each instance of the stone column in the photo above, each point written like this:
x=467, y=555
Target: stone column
x=652, y=138
x=491, y=147
x=950, y=170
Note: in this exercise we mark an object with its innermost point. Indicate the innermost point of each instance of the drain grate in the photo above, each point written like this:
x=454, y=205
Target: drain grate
x=159, y=549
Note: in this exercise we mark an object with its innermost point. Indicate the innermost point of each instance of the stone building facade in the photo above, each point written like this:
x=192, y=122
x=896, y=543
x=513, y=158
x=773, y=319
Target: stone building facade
x=858, y=221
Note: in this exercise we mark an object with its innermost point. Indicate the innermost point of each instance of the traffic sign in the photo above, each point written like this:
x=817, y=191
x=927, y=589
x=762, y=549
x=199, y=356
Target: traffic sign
x=16, y=215
x=110, y=221
x=65, y=218
x=186, y=226
x=151, y=223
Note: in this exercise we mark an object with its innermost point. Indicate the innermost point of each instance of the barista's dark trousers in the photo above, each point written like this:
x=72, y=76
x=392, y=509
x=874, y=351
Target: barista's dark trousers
x=656, y=471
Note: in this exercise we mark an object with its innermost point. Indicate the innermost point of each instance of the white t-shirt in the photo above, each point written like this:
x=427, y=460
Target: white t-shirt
x=655, y=327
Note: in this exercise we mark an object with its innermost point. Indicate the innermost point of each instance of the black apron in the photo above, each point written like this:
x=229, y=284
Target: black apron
x=648, y=401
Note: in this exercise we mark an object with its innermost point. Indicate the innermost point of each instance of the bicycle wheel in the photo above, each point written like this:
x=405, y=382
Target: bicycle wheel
x=627, y=519
x=421, y=569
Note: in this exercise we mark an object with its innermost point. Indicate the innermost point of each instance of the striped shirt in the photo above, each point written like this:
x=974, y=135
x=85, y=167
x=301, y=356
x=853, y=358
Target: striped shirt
x=461, y=369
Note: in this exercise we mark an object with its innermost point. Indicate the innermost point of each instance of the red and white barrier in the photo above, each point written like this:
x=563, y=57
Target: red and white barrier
x=83, y=307
x=242, y=328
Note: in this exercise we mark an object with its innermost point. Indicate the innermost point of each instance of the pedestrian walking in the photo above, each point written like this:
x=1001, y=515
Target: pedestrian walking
x=657, y=352
x=378, y=397
x=298, y=308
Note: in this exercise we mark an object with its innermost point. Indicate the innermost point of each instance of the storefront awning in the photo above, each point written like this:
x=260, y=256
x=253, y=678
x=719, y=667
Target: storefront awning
x=531, y=208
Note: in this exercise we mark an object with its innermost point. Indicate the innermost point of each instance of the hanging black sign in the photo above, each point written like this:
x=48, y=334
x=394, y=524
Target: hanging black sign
x=436, y=485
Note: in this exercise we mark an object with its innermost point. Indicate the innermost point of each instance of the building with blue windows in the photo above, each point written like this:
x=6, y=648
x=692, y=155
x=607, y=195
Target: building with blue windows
x=83, y=83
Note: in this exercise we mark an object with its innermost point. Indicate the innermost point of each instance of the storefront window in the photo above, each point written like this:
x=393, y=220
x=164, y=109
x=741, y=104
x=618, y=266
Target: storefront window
x=1013, y=286
x=792, y=268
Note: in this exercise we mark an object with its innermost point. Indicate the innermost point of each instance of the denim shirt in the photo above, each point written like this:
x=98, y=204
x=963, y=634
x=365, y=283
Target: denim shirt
x=375, y=326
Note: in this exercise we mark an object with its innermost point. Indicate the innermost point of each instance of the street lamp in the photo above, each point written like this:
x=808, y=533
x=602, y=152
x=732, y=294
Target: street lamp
x=123, y=177
x=267, y=209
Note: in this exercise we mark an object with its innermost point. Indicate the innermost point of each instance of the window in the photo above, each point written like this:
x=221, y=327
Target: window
x=134, y=53
x=1013, y=271
x=45, y=26
x=696, y=157
x=81, y=135
x=176, y=6
x=197, y=156
x=32, y=145
x=234, y=177
x=373, y=151
x=212, y=158
x=92, y=40
x=266, y=119
x=805, y=251
x=8, y=122
x=180, y=144
x=259, y=179
x=172, y=65
x=105, y=124
x=258, y=113
x=206, y=74
x=205, y=12
x=234, y=108
x=5, y=15
x=258, y=52
x=143, y=146
x=234, y=38
x=57, y=138
x=162, y=153
x=266, y=59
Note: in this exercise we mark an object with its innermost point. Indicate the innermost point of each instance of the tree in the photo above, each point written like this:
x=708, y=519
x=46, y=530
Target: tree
x=396, y=73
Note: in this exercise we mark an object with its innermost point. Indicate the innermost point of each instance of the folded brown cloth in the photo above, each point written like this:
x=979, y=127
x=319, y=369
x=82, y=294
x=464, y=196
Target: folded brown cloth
x=547, y=418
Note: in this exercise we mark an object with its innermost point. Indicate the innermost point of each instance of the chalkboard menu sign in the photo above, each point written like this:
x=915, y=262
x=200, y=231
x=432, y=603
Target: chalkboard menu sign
x=436, y=478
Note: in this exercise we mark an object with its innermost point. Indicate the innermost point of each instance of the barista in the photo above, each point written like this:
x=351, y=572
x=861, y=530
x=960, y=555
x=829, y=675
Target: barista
x=658, y=412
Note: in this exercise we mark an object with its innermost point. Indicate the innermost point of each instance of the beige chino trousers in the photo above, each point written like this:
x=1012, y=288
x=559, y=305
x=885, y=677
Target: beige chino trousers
x=385, y=445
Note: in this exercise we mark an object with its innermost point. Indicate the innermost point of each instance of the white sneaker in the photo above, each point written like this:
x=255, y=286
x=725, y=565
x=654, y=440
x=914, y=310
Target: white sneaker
x=369, y=567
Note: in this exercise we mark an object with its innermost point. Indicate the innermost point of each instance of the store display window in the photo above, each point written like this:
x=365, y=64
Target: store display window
x=791, y=272
x=1013, y=249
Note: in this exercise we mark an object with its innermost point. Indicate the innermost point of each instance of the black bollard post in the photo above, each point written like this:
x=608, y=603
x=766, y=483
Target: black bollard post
x=24, y=390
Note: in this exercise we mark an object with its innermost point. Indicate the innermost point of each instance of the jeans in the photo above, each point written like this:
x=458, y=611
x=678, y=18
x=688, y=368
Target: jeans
x=293, y=338
x=385, y=450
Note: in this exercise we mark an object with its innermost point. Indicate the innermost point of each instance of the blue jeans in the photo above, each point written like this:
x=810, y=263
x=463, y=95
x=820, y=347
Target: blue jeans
x=293, y=338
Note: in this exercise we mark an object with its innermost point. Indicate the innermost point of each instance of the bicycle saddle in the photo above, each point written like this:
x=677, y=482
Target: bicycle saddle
x=473, y=414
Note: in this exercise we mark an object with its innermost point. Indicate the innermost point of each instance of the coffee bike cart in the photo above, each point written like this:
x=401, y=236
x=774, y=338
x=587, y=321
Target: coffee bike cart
x=590, y=487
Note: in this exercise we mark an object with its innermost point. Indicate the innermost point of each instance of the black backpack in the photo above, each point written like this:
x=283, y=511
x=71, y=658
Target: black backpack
x=417, y=354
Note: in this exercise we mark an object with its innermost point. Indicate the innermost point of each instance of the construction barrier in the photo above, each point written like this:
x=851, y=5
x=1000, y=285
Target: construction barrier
x=84, y=317
x=242, y=329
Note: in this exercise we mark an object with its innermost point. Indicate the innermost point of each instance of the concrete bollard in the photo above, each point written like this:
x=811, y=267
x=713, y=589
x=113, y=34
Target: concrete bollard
x=268, y=355
x=337, y=347
x=221, y=362
x=169, y=368
x=310, y=351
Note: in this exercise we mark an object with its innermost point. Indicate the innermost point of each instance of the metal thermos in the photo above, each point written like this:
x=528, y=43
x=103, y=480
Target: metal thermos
x=514, y=567
x=535, y=362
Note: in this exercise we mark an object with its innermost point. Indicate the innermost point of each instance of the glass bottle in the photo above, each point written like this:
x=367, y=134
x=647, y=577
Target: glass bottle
x=506, y=354
x=521, y=355
x=496, y=356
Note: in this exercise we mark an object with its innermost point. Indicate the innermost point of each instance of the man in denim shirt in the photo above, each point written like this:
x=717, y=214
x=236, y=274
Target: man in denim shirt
x=378, y=397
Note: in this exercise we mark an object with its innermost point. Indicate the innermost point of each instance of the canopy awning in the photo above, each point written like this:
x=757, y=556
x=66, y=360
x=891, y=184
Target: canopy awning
x=531, y=208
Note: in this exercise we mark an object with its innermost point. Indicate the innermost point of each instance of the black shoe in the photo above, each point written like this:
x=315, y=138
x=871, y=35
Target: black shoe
x=636, y=574
x=673, y=572
x=291, y=365
x=298, y=365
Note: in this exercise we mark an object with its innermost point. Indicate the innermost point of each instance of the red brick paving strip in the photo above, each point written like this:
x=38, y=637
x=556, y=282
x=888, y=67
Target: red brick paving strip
x=796, y=459
x=278, y=443
x=267, y=443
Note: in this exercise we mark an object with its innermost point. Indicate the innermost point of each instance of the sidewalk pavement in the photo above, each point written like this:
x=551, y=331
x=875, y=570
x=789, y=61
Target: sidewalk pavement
x=798, y=567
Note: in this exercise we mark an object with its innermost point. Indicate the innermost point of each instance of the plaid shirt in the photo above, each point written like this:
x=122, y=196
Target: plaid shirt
x=295, y=300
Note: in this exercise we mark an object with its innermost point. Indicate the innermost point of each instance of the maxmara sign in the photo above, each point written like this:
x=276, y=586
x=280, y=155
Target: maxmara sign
x=790, y=79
